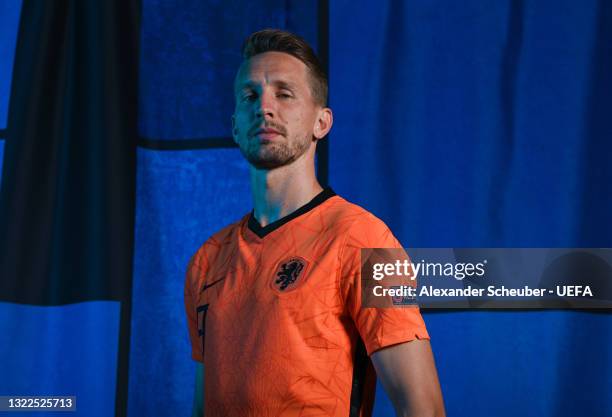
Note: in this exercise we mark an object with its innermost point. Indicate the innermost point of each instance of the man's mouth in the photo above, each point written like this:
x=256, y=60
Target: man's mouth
x=266, y=133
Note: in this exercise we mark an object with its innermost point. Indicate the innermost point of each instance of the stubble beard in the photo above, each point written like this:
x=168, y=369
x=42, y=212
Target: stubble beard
x=271, y=155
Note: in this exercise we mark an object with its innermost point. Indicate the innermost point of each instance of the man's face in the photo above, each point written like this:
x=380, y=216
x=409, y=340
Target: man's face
x=275, y=118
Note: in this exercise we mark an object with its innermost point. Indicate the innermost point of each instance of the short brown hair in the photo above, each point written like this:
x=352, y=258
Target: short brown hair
x=275, y=40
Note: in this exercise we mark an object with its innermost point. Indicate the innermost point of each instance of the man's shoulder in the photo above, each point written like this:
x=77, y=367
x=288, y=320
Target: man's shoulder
x=217, y=243
x=228, y=233
x=356, y=219
x=361, y=228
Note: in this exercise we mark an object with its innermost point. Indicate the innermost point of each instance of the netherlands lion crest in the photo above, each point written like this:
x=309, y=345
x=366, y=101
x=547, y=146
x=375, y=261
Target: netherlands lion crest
x=289, y=274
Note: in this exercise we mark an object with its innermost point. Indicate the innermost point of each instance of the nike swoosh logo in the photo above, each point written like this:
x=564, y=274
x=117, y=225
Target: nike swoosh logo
x=207, y=286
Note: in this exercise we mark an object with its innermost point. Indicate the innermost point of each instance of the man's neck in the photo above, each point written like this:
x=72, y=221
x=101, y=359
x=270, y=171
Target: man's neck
x=280, y=191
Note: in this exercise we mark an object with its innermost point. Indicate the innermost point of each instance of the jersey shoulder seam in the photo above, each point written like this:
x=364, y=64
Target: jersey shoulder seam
x=360, y=211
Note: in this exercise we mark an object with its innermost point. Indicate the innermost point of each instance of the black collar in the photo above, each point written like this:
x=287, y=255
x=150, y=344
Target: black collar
x=260, y=231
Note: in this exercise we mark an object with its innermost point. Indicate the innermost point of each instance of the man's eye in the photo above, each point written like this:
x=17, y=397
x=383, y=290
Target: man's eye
x=249, y=97
x=284, y=95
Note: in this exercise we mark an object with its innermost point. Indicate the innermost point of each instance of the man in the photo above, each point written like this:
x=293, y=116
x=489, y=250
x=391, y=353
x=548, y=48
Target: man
x=274, y=301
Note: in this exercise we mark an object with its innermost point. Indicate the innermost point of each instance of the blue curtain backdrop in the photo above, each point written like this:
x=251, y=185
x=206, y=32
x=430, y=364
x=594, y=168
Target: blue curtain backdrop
x=486, y=124
x=471, y=123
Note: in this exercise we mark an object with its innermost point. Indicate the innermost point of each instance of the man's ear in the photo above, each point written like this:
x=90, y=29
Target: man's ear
x=234, y=129
x=323, y=123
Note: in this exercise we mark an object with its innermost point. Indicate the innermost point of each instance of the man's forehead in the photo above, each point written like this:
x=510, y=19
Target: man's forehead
x=271, y=68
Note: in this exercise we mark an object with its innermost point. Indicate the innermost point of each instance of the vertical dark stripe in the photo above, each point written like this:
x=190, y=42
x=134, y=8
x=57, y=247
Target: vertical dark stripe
x=323, y=50
x=2, y=133
x=123, y=360
x=323, y=35
x=129, y=14
x=360, y=366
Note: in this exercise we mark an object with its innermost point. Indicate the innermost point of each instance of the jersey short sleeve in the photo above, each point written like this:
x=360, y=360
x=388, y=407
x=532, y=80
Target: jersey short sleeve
x=378, y=327
x=194, y=274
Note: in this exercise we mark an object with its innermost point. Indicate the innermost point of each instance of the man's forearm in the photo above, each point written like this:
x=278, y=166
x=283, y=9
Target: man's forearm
x=408, y=374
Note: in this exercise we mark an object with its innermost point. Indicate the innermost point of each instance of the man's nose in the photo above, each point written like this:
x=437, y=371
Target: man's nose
x=266, y=106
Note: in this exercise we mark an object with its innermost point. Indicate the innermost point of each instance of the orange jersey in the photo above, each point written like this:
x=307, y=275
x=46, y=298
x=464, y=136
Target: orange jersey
x=275, y=314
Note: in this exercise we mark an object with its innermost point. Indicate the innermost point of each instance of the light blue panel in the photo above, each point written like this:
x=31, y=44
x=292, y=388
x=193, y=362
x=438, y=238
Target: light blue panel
x=9, y=24
x=189, y=57
x=182, y=198
x=61, y=350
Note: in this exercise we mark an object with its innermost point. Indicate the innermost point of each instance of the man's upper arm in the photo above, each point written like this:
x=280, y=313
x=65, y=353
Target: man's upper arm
x=408, y=373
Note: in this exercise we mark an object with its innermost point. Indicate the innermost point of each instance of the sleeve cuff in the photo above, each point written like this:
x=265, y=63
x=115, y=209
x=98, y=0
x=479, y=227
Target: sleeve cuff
x=375, y=345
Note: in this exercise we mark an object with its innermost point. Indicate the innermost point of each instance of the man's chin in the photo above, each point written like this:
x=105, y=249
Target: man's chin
x=267, y=164
x=269, y=157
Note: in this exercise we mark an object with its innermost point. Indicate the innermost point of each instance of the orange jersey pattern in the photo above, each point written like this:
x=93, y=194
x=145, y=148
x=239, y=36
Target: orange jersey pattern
x=275, y=314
